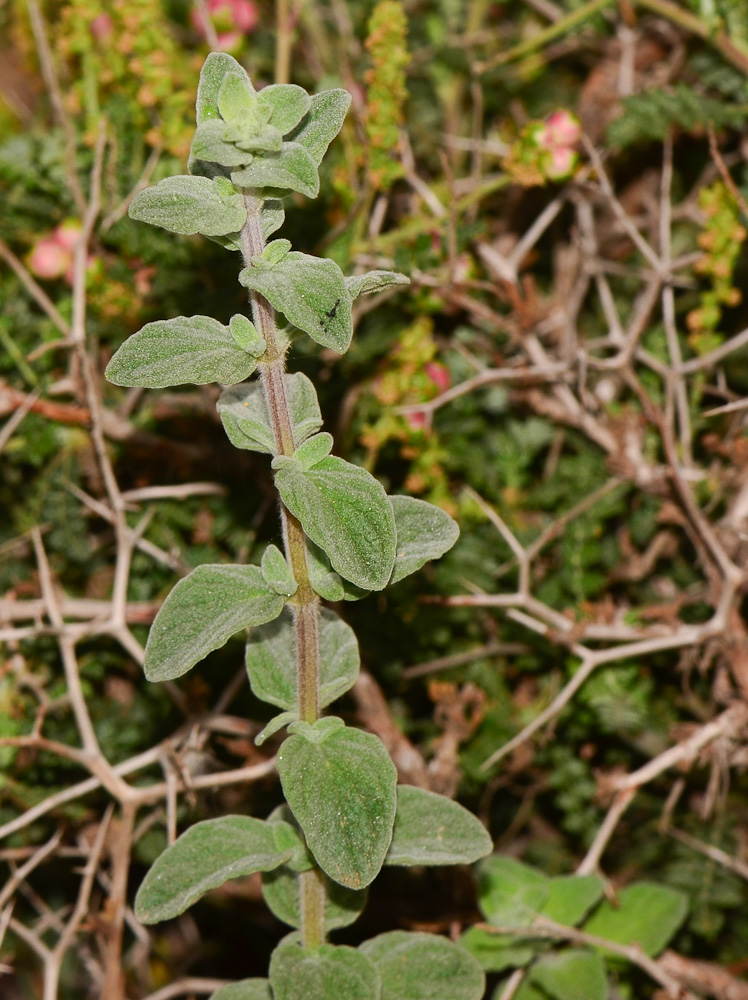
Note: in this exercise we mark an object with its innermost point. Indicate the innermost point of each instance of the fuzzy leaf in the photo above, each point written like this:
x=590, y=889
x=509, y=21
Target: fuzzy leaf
x=281, y=892
x=245, y=335
x=272, y=667
x=424, y=532
x=311, y=294
x=215, y=68
x=273, y=216
x=275, y=725
x=572, y=974
x=510, y=894
x=340, y=785
x=424, y=967
x=207, y=855
x=189, y=205
x=314, y=449
x=326, y=582
x=373, y=281
x=289, y=169
x=277, y=573
x=247, y=422
x=245, y=989
x=236, y=97
x=210, y=145
x=274, y=252
x=328, y=973
x=431, y=829
x=325, y=119
x=646, y=914
x=288, y=104
x=571, y=897
x=202, y=612
x=345, y=511
x=195, y=349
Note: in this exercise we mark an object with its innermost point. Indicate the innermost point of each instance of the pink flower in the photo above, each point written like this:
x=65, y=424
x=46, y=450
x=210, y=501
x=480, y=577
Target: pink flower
x=48, y=259
x=67, y=233
x=232, y=19
x=101, y=27
x=561, y=129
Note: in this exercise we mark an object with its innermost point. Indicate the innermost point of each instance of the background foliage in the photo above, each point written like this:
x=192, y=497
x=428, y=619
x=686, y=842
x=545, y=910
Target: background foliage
x=566, y=375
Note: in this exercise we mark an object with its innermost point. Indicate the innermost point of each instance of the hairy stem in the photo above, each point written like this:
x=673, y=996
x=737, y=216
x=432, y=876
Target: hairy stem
x=305, y=604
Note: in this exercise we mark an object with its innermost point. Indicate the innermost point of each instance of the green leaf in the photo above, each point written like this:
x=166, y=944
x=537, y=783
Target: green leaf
x=327, y=973
x=272, y=667
x=211, y=145
x=313, y=450
x=431, y=829
x=325, y=119
x=290, y=169
x=424, y=967
x=189, y=205
x=288, y=835
x=202, y=612
x=311, y=294
x=273, y=216
x=245, y=335
x=281, y=891
x=494, y=952
x=424, y=532
x=215, y=69
x=373, y=281
x=646, y=914
x=326, y=582
x=571, y=897
x=246, y=419
x=245, y=989
x=274, y=252
x=571, y=974
x=510, y=894
x=236, y=97
x=276, y=723
x=288, y=104
x=345, y=511
x=277, y=573
x=194, y=349
x=207, y=855
x=342, y=792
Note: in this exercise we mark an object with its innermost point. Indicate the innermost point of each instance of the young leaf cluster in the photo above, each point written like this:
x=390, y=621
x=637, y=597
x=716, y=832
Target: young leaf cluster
x=513, y=897
x=343, y=536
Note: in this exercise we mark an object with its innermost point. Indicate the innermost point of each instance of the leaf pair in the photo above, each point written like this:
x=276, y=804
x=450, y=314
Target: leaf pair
x=341, y=786
x=313, y=294
x=393, y=966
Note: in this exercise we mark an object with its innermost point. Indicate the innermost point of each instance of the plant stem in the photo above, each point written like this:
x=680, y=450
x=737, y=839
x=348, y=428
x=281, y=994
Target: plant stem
x=305, y=603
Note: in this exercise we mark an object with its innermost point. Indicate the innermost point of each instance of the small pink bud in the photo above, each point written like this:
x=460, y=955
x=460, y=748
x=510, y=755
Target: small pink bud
x=48, y=259
x=245, y=15
x=102, y=27
x=562, y=129
x=232, y=19
x=438, y=375
x=562, y=162
x=416, y=421
x=67, y=233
